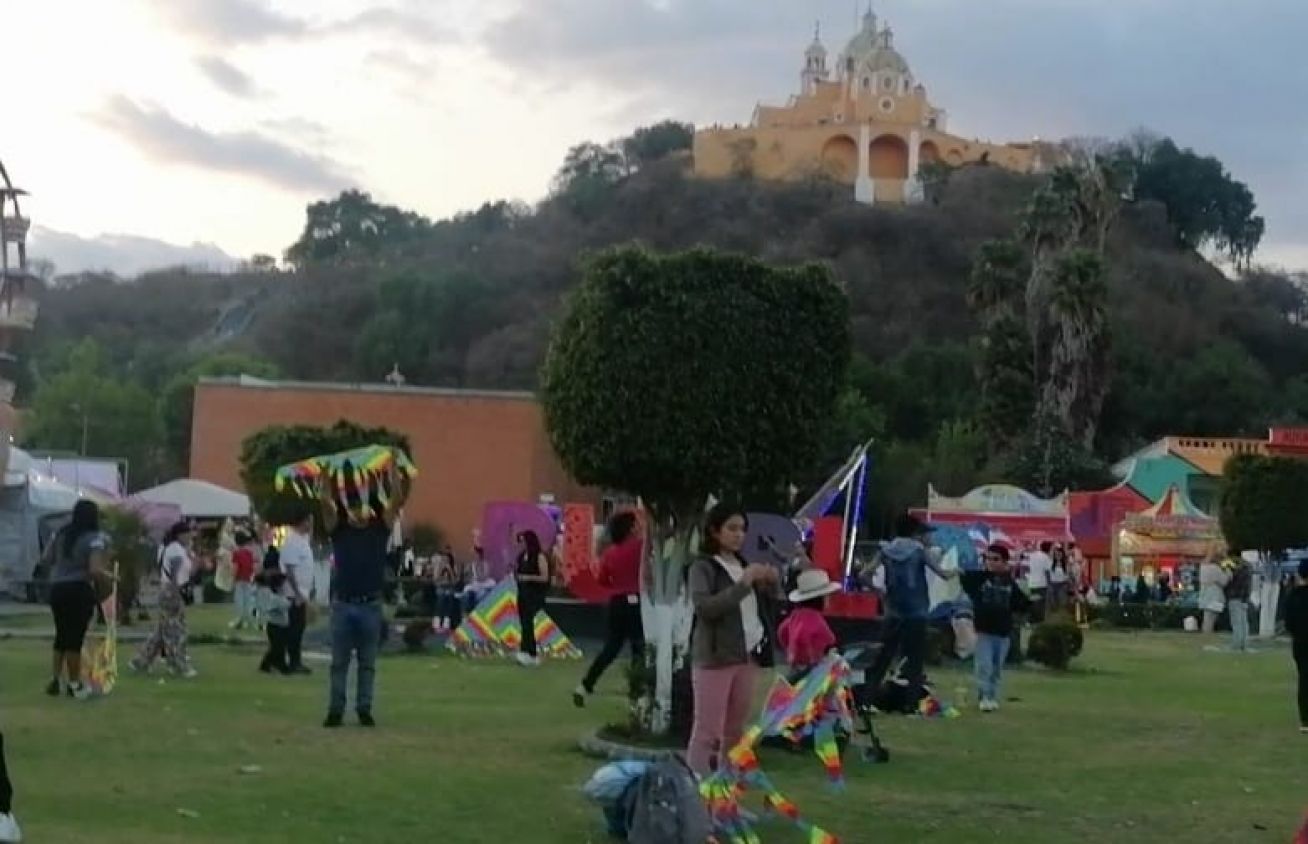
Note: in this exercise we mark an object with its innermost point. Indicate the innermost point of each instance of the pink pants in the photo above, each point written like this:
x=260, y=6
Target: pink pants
x=723, y=699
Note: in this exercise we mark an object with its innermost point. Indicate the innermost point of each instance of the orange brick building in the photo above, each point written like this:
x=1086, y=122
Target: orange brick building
x=471, y=447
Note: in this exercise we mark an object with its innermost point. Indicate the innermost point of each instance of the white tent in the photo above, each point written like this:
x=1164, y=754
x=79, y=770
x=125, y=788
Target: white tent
x=198, y=499
x=32, y=506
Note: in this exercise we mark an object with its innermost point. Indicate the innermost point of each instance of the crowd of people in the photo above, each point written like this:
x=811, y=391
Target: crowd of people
x=737, y=606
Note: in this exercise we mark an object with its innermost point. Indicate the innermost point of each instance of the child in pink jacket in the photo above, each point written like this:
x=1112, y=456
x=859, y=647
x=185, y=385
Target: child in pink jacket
x=805, y=634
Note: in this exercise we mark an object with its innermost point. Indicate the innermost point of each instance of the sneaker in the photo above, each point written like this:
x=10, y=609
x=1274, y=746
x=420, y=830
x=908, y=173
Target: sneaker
x=332, y=721
x=1303, y=731
x=9, y=831
x=988, y=705
x=300, y=669
x=54, y=688
x=366, y=719
x=189, y=674
x=525, y=660
x=79, y=691
x=579, y=696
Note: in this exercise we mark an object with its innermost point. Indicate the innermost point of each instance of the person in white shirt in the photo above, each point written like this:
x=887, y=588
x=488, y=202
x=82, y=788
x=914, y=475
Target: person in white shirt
x=169, y=637
x=298, y=565
x=1038, y=568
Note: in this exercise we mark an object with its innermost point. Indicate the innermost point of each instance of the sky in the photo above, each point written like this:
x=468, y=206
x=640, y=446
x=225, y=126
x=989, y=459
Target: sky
x=157, y=130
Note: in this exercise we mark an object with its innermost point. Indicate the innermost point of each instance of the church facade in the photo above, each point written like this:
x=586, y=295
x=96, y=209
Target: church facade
x=868, y=125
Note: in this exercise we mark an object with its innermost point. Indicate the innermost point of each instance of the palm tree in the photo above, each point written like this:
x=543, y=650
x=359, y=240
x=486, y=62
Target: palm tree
x=995, y=286
x=1077, y=379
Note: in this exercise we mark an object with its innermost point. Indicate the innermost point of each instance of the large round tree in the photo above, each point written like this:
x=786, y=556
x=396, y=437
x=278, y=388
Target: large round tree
x=676, y=377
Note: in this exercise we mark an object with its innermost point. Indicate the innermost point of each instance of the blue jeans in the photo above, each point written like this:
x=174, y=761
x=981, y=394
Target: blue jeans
x=356, y=632
x=1239, y=624
x=991, y=651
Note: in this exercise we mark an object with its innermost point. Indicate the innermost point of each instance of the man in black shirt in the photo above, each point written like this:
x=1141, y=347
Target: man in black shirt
x=995, y=598
x=358, y=579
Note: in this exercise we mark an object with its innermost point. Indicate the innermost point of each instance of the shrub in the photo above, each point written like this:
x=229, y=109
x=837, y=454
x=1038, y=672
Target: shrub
x=1150, y=616
x=1055, y=642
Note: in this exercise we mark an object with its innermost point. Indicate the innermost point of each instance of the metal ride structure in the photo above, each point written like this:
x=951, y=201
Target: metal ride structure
x=17, y=304
x=851, y=481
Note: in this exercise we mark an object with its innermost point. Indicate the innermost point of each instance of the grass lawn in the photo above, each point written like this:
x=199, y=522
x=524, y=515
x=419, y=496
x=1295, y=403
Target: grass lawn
x=1152, y=739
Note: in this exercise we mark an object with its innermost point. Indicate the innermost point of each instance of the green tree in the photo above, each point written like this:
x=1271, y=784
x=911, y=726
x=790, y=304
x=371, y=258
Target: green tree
x=425, y=324
x=353, y=227
x=84, y=410
x=1046, y=461
x=131, y=549
x=267, y=450
x=996, y=293
x=673, y=377
x=1265, y=503
x=1077, y=380
x=177, y=402
x=650, y=144
x=1220, y=391
x=588, y=176
x=1204, y=203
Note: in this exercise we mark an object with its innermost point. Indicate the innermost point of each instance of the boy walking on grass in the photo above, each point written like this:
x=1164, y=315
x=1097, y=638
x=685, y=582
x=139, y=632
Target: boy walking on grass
x=1296, y=624
x=995, y=599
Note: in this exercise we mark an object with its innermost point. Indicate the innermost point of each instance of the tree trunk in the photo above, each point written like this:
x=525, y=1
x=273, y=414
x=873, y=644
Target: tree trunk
x=666, y=617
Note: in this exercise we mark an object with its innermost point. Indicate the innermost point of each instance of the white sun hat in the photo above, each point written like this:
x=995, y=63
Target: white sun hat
x=812, y=583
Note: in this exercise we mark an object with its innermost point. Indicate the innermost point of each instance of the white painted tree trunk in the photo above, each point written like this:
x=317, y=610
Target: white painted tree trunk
x=1271, y=593
x=665, y=615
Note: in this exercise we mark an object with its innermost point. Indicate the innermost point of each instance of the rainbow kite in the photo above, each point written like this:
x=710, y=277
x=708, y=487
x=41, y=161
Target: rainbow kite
x=493, y=629
x=815, y=707
x=100, y=658
x=357, y=476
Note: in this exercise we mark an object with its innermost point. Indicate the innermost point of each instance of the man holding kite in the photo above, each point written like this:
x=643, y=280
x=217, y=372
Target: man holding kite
x=358, y=512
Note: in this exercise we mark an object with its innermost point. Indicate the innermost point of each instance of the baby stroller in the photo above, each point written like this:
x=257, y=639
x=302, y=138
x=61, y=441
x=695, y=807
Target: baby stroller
x=862, y=656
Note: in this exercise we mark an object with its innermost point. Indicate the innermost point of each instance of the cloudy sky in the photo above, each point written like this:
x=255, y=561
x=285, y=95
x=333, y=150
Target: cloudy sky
x=216, y=121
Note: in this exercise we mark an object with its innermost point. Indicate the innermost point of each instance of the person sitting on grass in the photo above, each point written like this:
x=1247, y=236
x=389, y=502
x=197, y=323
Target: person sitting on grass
x=805, y=635
x=275, y=612
x=996, y=598
x=1296, y=624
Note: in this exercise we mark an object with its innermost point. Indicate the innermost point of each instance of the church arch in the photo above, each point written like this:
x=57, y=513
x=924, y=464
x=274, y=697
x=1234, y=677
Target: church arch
x=889, y=158
x=929, y=153
x=954, y=157
x=840, y=159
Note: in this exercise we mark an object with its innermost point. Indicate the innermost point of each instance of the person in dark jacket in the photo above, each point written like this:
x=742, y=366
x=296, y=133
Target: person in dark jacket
x=1296, y=624
x=906, y=560
x=1238, y=592
x=733, y=636
x=996, y=599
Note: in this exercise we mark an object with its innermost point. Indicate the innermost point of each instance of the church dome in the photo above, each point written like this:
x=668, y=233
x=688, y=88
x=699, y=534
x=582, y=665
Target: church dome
x=873, y=50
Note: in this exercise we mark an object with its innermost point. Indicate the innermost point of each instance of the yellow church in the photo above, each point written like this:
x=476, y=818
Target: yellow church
x=870, y=126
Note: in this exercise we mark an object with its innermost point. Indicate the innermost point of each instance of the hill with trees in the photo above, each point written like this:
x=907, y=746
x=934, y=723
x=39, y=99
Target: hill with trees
x=469, y=301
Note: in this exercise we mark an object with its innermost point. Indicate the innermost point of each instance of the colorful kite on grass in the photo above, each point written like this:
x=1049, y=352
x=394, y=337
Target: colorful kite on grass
x=493, y=629
x=814, y=708
x=358, y=477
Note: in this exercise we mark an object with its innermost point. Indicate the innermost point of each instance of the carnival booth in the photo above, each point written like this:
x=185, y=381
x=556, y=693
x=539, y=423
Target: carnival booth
x=1170, y=535
x=998, y=513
